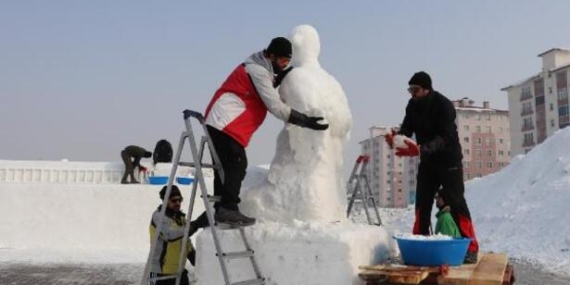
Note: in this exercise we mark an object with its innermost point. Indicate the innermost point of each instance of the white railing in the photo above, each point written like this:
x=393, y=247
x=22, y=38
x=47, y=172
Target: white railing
x=19, y=171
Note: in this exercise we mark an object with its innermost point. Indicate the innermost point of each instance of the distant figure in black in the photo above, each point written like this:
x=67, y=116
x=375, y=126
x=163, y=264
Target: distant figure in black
x=135, y=153
x=162, y=152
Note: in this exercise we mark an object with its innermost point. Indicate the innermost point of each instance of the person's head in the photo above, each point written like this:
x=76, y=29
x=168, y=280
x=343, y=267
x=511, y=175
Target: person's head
x=279, y=52
x=439, y=201
x=147, y=154
x=175, y=199
x=420, y=85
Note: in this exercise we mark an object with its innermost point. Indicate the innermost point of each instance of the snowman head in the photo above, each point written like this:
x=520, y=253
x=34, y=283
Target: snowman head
x=306, y=45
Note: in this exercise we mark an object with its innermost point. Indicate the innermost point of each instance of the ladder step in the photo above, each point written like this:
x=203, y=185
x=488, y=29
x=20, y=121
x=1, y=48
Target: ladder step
x=192, y=164
x=164, y=277
x=212, y=199
x=237, y=254
x=258, y=281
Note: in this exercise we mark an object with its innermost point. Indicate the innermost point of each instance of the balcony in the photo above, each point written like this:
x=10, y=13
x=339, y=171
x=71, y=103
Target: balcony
x=528, y=143
x=526, y=112
x=525, y=96
x=527, y=127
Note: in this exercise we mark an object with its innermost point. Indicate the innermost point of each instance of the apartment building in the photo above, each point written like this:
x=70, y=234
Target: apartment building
x=392, y=178
x=538, y=105
x=484, y=134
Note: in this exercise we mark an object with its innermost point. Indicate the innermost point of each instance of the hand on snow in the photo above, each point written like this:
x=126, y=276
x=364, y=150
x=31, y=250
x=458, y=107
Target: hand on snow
x=389, y=137
x=302, y=120
x=411, y=149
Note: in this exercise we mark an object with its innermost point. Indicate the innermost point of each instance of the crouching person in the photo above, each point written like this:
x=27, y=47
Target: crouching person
x=445, y=224
x=167, y=251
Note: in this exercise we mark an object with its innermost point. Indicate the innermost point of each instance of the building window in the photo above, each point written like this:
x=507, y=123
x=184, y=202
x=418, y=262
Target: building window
x=488, y=141
x=501, y=153
x=466, y=128
x=466, y=139
x=479, y=175
x=466, y=151
x=501, y=130
x=552, y=123
x=479, y=141
x=478, y=129
x=479, y=152
x=489, y=165
x=501, y=141
x=549, y=89
x=466, y=176
x=489, y=152
x=488, y=129
x=479, y=164
x=551, y=105
x=563, y=111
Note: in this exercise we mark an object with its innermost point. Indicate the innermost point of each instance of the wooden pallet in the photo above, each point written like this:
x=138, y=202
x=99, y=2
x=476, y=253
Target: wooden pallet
x=491, y=269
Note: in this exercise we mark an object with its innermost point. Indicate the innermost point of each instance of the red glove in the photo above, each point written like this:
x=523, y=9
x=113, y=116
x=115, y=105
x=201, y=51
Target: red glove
x=412, y=149
x=142, y=168
x=389, y=137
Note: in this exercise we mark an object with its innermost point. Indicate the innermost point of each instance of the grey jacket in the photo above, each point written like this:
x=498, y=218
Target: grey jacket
x=261, y=72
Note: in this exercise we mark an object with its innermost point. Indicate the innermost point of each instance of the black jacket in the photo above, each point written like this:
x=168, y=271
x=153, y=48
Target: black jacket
x=136, y=152
x=432, y=120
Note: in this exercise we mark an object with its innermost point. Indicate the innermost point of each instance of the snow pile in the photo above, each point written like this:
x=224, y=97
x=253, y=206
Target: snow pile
x=299, y=253
x=305, y=179
x=422, y=237
x=524, y=209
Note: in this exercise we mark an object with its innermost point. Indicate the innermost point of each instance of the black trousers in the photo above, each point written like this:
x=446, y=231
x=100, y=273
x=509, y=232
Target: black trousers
x=234, y=163
x=129, y=167
x=431, y=177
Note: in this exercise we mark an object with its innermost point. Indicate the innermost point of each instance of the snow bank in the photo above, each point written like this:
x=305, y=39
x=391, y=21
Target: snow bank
x=78, y=222
x=524, y=209
x=295, y=254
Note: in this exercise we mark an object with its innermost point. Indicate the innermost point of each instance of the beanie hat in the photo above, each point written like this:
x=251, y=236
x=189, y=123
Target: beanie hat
x=174, y=192
x=421, y=79
x=147, y=154
x=280, y=47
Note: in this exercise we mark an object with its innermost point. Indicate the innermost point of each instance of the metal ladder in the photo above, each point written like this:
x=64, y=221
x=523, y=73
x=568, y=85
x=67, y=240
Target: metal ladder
x=355, y=185
x=197, y=155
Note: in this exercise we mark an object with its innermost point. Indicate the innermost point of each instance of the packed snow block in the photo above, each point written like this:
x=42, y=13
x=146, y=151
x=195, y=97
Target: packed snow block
x=301, y=253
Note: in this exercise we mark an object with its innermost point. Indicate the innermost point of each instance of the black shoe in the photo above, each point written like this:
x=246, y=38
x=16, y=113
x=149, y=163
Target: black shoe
x=134, y=182
x=470, y=257
x=233, y=218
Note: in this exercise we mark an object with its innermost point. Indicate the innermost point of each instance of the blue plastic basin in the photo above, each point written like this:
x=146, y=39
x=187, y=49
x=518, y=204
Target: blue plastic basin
x=184, y=180
x=157, y=180
x=433, y=252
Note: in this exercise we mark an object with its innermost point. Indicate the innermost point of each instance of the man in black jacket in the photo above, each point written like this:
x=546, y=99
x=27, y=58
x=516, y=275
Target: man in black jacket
x=136, y=153
x=431, y=117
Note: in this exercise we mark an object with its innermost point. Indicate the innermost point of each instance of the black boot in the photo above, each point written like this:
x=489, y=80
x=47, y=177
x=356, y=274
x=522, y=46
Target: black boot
x=233, y=218
x=470, y=257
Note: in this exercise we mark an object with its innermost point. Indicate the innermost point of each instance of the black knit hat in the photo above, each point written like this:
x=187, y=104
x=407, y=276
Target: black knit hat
x=280, y=47
x=174, y=192
x=421, y=79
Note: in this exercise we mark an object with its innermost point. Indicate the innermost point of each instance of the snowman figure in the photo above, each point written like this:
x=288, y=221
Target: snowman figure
x=305, y=177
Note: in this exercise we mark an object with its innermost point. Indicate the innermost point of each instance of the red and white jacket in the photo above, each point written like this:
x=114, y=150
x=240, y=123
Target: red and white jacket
x=240, y=105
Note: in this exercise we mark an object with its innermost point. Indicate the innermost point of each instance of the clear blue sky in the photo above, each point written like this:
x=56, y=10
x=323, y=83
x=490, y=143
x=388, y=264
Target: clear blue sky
x=82, y=79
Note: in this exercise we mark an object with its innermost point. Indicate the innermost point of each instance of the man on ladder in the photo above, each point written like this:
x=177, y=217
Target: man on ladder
x=235, y=112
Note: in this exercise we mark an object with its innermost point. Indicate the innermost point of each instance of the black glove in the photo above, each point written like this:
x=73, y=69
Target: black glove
x=302, y=120
x=428, y=148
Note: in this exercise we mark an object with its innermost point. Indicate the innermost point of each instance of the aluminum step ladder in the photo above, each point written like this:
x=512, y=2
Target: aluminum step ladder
x=197, y=156
x=358, y=188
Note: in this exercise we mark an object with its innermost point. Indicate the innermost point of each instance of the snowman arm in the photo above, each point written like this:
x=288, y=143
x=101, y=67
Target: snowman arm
x=263, y=83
